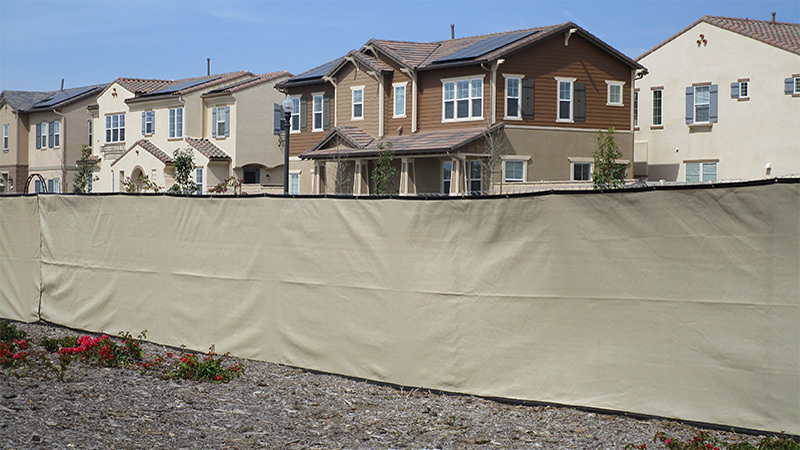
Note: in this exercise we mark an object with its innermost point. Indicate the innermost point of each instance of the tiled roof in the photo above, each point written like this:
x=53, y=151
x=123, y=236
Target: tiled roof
x=782, y=35
x=31, y=101
x=140, y=85
x=207, y=148
x=370, y=61
x=174, y=88
x=249, y=82
x=149, y=147
x=430, y=143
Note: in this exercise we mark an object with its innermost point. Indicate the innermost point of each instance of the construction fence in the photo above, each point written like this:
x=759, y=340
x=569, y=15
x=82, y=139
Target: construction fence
x=676, y=302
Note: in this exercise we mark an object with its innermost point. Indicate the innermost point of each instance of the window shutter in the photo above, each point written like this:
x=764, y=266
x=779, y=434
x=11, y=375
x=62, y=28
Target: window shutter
x=713, y=107
x=788, y=86
x=227, y=121
x=153, y=118
x=50, y=134
x=144, y=119
x=39, y=135
x=172, y=121
x=277, y=118
x=735, y=89
x=326, y=112
x=527, y=99
x=303, y=114
x=213, y=122
x=579, y=113
x=689, y=104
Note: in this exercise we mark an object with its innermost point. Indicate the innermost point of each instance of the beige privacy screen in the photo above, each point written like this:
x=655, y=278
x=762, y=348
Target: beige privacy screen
x=676, y=303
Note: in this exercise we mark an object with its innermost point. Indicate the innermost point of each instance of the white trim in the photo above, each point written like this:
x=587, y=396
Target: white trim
x=608, y=93
x=515, y=157
x=353, y=103
x=441, y=171
x=571, y=82
x=469, y=98
x=403, y=85
x=178, y=133
x=695, y=104
x=519, y=78
x=796, y=85
x=660, y=108
x=321, y=95
x=587, y=130
x=747, y=88
x=295, y=112
x=524, y=170
x=582, y=161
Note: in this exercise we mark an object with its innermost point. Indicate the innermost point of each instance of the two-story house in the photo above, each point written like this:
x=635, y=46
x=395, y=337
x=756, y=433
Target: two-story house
x=722, y=102
x=143, y=122
x=485, y=113
x=43, y=133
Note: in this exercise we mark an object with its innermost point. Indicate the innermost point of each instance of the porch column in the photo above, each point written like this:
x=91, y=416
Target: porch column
x=357, y=178
x=456, y=177
x=315, y=180
x=403, y=176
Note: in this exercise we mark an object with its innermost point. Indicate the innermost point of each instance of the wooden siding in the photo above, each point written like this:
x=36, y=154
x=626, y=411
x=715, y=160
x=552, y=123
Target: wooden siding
x=303, y=141
x=393, y=125
x=346, y=78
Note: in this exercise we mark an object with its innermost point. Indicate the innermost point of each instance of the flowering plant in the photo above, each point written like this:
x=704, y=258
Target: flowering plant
x=191, y=366
x=234, y=183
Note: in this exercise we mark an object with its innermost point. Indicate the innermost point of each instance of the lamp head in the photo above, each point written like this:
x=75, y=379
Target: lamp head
x=288, y=105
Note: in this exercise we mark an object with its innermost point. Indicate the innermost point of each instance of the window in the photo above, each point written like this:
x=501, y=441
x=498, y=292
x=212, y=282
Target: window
x=797, y=85
x=41, y=135
x=702, y=103
x=657, y=98
x=357, y=110
x=294, y=183
x=615, y=93
x=447, y=176
x=56, y=133
x=252, y=175
x=198, y=180
x=462, y=99
x=399, y=99
x=514, y=171
x=564, y=99
x=5, y=137
x=175, y=123
x=317, y=111
x=52, y=186
x=744, y=89
x=37, y=186
x=513, y=97
x=697, y=172
x=792, y=85
x=220, y=121
x=635, y=109
x=295, y=115
x=148, y=122
x=581, y=171
x=89, y=126
x=115, y=128
x=475, y=177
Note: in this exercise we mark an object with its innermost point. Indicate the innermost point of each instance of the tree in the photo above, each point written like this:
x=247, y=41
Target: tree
x=183, y=160
x=384, y=171
x=494, y=146
x=80, y=185
x=607, y=173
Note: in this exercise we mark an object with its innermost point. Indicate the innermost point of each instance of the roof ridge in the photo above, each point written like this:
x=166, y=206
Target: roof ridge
x=751, y=20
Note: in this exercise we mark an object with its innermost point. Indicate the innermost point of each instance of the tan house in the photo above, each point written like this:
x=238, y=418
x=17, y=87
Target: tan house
x=492, y=113
x=43, y=133
x=722, y=102
x=143, y=122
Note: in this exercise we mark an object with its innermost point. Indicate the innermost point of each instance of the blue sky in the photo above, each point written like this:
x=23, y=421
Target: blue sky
x=94, y=41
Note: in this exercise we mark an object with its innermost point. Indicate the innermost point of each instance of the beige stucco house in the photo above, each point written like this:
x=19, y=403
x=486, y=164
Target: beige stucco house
x=42, y=136
x=141, y=123
x=721, y=102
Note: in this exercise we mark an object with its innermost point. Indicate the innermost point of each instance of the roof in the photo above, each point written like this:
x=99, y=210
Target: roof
x=149, y=147
x=207, y=149
x=39, y=101
x=783, y=35
x=312, y=76
x=249, y=82
x=187, y=85
x=140, y=85
x=358, y=143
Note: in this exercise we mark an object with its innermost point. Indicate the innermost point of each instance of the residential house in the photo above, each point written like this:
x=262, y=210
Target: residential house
x=43, y=133
x=217, y=117
x=488, y=113
x=722, y=102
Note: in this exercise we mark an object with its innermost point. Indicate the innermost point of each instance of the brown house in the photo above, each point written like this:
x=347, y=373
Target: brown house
x=495, y=113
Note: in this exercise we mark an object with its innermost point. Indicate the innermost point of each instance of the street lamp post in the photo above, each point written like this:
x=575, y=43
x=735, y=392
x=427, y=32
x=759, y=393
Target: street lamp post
x=287, y=106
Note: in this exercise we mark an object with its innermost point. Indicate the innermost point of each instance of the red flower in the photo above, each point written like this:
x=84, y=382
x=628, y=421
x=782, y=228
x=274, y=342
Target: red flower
x=668, y=441
x=219, y=377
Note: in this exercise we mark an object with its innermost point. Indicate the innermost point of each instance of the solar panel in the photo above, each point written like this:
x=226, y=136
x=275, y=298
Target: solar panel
x=231, y=86
x=61, y=96
x=180, y=86
x=483, y=47
x=318, y=72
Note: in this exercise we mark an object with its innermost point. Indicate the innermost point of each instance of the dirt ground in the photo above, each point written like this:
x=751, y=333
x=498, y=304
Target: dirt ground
x=274, y=406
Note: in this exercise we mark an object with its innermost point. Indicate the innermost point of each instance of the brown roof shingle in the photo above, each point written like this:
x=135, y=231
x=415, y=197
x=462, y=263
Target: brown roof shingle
x=208, y=149
x=149, y=147
x=249, y=82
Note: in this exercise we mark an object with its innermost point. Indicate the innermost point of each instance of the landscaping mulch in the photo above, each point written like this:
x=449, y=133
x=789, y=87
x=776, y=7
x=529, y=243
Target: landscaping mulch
x=274, y=406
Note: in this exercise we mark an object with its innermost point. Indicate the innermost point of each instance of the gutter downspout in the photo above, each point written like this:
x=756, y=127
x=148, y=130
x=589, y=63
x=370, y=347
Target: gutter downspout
x=63, y=138
x=335, y=98
x=413, y=75
x=493, y=88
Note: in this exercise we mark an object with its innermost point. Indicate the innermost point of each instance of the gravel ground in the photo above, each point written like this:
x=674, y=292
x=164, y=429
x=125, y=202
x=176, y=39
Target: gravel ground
x=274, y=406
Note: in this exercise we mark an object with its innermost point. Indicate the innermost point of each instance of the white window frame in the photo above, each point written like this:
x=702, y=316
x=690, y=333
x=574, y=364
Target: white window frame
x=508, y=114
x=220, y=113
x=314, y=112
x=469, y=165
x=90, y=134
x=470, y=98
x=149, y=119
x=401, y=87
x=199, y=179
x=580, y=162
x=43, y=134
x=695, y=97
x=57, y=134
x=744, y=86
x=5, y=137
x=700, y=170
x=175, y=131
x=636, y=108
x=294, y=182
x=660, y=105
x=611, y=85
x=571, y=82
x=353, y=104
x=449, y=180
x=506, y=178
x=119, y=128
x=796, y=81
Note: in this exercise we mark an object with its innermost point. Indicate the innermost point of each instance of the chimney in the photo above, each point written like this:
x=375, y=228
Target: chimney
x=452, y=31
x=773, y=16
x=208, y=66
x=62, y=84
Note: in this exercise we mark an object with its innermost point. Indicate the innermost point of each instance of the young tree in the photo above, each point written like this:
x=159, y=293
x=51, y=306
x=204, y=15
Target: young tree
x=384, y=171
x=80, y=185
x=607, y=173
x=494, y=146
x=183, y=160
